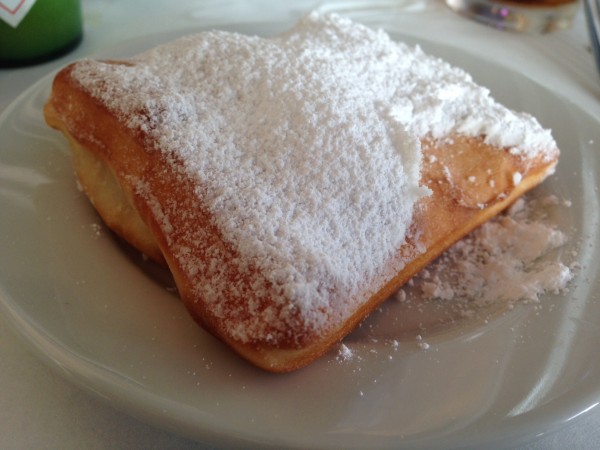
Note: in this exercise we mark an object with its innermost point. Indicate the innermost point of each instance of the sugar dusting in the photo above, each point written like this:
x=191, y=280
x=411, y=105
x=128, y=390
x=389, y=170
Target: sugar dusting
x=505, y=260
x=305, y=170
x=306, y=145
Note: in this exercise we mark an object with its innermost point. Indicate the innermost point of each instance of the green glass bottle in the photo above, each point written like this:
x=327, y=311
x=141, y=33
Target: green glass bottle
x=34, y=31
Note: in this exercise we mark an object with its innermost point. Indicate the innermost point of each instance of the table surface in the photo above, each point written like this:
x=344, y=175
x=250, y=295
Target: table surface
x=40, y=409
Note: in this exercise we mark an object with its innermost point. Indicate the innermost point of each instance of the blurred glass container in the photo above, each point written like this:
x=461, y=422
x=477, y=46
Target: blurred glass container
x=532, y=16
x=34, y=31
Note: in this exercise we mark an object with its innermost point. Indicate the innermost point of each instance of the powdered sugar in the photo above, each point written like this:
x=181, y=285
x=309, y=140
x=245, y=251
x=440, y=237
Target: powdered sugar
x=505, y=261
x=273, y=129
x=306, y=145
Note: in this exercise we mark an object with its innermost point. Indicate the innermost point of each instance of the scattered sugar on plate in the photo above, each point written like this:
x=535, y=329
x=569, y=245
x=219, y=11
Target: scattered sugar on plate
x=514, y=259
x=344, y=353
x=505, y=260
x=421, y=342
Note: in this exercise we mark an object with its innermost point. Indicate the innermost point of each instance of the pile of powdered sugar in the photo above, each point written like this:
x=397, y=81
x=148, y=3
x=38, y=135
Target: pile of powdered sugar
x=505, y=261
x=306, y=145
x=514, y=259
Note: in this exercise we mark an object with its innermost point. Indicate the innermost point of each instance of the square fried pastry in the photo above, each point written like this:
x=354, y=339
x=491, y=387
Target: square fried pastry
x=292, y=183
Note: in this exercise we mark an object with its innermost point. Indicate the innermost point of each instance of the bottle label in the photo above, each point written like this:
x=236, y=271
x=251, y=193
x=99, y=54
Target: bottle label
x=13, y=11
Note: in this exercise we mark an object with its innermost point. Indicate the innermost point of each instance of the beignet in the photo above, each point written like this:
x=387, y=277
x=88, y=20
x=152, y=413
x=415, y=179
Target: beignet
x=291, y=184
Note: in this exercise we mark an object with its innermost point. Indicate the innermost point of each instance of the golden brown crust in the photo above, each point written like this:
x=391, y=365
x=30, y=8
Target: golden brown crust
x=470, y=182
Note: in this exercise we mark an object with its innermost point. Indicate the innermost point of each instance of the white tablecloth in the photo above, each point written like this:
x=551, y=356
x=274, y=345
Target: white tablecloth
x=39, y=409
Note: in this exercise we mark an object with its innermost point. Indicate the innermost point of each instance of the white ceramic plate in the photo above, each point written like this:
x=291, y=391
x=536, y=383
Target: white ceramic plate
x=109, y=322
